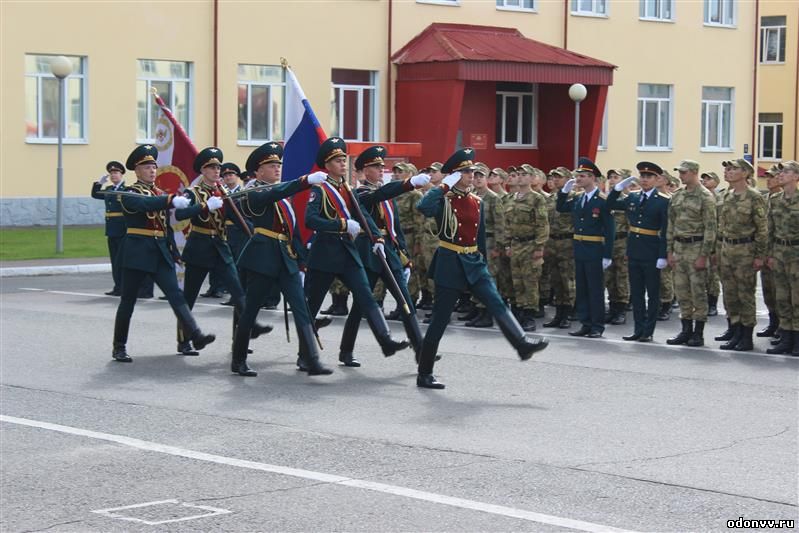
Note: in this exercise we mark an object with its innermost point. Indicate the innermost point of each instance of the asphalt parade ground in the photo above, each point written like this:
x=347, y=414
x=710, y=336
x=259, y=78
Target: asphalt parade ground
x=590, y=435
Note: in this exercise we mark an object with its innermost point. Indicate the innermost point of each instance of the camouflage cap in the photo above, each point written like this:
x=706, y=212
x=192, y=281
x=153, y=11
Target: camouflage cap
x=687, y=165
x=526, y=169
x=623, y=173
x=739, y=163
x=791, y=166
x=499, y=171
x=711, y=175
x=410, y=167
x=482, y=168
x=399, y=165
x=436, y=166
x=773, y=171
x=561, y=172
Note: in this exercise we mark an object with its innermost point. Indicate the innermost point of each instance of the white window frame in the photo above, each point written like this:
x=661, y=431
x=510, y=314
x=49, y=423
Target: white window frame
x=375, y=112
x=706, y=106
x=250, y=141
x=505, y=7
x=149, y=79
x=659, y=16
x=533, y=119
x=642, y=119
x=602, y=145
x=39, y=139
x=594, y=12
x=451, y=3
x=733, y=18
x=761, y=126
x=781, y=32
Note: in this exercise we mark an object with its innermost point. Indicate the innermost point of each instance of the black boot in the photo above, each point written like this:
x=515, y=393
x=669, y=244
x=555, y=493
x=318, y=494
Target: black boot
x=377, y=322
x=620, y=315
x=120, y=354
x=428, y=381
x=745, y=343
x=609, y=313
x=427, y=360
x=483, y=321
x=712, y=305
x=539, y=311
x=260, y=329
x=471, y=314
x=338, y=307
x=555, y=322
x=665, y=311
x=199, y=339
x=528, y=320
x=396, y=314
x=322, y=322
x=426, y=303
x=728, y=333
x=735, y=339
x=347, y=346
x=698, y=337
x=464, y=304
x=185, y=348
x=787, y=342
x=566, y=320
x=795, y=350
x=683, y=336
x=771, y=329
x=777, y=336
x=414, y=333
x=525, y=346
x=239, y=351
x=309, y=354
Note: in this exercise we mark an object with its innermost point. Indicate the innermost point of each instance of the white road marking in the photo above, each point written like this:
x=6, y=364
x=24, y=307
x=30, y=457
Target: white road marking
x=30, y=289
x=322, y=477
x=111, y=513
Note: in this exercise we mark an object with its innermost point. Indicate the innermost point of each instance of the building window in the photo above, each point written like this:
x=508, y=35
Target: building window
x=590, y=7
x=657, y=9
x=717, y=118
x=654, y=116
x=517, y=115
x=772, y=39
x=172, y=80
x=770, y=135
x=720, y=12
x=261, y=108
x=41, y=100
x=603, y=134
x=517, y=5
x=440, y=2
x=353, y=113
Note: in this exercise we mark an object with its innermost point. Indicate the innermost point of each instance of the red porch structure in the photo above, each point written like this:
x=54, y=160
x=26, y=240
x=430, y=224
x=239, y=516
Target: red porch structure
x=498, y=91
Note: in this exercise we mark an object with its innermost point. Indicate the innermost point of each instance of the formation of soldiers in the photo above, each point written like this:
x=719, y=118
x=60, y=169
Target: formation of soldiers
x=493, y=245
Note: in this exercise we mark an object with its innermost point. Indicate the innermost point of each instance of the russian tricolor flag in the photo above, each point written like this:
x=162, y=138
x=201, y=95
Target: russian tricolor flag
x=304, y=135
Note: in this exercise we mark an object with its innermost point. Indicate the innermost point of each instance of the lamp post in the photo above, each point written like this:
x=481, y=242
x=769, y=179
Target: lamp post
x=577, y=92
x=61, y=67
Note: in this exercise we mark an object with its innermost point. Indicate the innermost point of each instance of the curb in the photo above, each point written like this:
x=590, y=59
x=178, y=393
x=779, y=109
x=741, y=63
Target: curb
x=53, y=270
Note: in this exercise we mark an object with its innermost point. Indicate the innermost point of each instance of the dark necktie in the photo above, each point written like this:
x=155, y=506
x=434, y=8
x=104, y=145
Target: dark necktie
x=644, y=196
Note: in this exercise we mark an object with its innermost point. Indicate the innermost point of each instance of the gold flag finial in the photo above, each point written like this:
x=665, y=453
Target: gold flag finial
x=153, y=91
x=284, y=62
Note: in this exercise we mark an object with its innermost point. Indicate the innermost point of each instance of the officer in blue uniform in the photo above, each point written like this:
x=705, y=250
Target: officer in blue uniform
x=647, y=214
x=147, y=251
x=206, y=247
x=333, y=254
x=594, y=231
x=378, y=200
x=270, y=258
x=459, y=264
x=114, y=218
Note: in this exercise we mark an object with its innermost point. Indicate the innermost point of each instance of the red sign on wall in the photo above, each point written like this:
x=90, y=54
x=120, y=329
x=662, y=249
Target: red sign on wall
x=478, y=141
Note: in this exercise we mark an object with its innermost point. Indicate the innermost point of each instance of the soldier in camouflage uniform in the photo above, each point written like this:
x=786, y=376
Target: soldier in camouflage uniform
x=527, y=225
x=559, y=253
x=743, y=229
x=666, y=184
x=767, y=275
x=497, y=181
x=783, y=256
x=544, y=285
x=711, y=182
x=691, y=237
x=617, y=280
x=513, y=187
x=428, y=242
x=412, y=221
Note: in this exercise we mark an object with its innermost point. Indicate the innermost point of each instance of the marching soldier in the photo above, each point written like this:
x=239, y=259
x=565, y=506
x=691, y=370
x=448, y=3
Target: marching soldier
x=593, y=245
x=429, y=242
x=744, y=233
x=767, y=275
x=330, y=213
x=459, y=264
x=783, y=256
x=711, y=181
x=270, y=257
x=691, y=239
x=207, y=249
x=617, y=280
x=236, y=237
x=559, y=252
x=378, y=200
x=647, y=217
x=527, y=232
x=114, y=218
x=147, y=253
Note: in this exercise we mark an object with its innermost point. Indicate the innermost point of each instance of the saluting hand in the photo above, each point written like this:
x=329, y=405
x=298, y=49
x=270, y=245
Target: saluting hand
x=103, y=179
x=420, y=180
x=568, y=186
x=623, y=184
x=452, y=179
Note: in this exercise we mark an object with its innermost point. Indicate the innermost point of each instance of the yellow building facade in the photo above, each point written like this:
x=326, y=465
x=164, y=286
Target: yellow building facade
x=685, y=84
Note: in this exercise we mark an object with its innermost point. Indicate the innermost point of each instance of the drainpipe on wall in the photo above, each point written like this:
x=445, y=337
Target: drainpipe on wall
x=796, y=105
x=389, y=134
x=216, y=69
x=754, y=86
x=566, y=24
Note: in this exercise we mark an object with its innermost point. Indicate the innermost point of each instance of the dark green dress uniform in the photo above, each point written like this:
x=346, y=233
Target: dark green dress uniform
x=147, y=252
x=114, y=222
x=647, y=216
x=206, y=247
x=237, y=236
x=379, y=202
x=270, y=263
x=459, y=264
x=594, y=231
x=333, y=253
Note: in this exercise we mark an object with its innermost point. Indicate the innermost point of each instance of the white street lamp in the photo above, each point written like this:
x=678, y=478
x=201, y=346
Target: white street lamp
x=61, y=67
x=577, y=92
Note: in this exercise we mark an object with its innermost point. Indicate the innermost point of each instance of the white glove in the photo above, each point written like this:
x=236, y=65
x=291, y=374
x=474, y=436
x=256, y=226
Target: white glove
x=606, y=263
x=353, y=228
x=568, y=186
x=379, y=249
x=316, y=178
x=103, y=179
x=452, y=179
x=662, y=263
x=214, y=203
x=406, y=274
x=623, y=184
x=180, y=202
x=420, y=180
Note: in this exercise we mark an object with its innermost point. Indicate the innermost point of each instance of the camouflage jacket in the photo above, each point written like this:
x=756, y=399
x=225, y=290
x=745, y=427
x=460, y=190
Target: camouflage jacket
x=494, y=219
x=783, y=220
x=527, y=219
x=744, y=215
x=693, y=214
